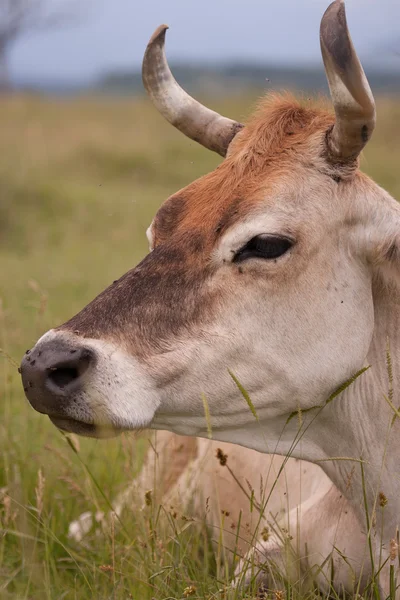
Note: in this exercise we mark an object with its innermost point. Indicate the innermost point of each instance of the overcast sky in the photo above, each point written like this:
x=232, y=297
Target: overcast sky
x=114, y=33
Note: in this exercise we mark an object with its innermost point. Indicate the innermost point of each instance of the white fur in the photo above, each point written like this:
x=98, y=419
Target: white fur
x=149, y=235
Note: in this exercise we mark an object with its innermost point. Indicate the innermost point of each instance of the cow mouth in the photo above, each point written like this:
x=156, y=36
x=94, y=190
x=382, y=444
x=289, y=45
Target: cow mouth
x=69, y=425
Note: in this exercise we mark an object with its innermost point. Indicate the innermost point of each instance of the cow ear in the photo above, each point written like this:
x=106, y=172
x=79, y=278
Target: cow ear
x=382, y=240
x=389, y=260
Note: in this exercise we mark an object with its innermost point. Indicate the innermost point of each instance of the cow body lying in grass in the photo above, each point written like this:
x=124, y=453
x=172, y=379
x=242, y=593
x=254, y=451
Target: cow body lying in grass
x=271, y=282
x=278, y=515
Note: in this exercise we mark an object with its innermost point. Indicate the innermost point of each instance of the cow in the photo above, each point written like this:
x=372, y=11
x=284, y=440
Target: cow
x=271, y=287
x=267, y=510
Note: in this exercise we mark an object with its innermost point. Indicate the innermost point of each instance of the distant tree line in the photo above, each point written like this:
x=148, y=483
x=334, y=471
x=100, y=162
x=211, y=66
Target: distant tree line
x=22, y=17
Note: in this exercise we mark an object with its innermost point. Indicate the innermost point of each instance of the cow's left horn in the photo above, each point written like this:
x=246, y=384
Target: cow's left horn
x=350, y=91
x=184, y=112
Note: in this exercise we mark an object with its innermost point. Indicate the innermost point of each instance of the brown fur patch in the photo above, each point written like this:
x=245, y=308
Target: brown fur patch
x=275, y=139
x=150, y=304
x=168, y=216
x=166, y=292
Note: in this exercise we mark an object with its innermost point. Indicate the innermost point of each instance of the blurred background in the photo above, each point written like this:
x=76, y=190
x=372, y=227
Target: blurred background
x=67, y=45
x=85, y=161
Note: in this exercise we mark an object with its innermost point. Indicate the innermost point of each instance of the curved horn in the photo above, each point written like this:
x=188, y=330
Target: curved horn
x=189, y=116
x=352, y=97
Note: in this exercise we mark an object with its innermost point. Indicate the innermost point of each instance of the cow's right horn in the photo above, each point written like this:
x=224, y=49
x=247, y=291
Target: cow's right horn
x=184, y=112
x=350, y=91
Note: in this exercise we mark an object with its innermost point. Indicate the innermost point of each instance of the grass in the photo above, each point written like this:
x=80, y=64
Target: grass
x=80, y=181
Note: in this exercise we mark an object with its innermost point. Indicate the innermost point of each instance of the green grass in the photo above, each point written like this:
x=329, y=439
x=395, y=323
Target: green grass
x=80, y=181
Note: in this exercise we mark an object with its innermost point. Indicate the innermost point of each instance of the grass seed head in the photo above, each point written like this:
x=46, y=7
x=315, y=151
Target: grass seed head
x=382, y=499
x=39, y=491
x=265, y=534
x=223, y=458
x=106, y=568
x=189, y=591
x=394, y=549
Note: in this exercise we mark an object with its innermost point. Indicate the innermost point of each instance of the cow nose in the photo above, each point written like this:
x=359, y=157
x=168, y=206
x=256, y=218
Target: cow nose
x=52, y=372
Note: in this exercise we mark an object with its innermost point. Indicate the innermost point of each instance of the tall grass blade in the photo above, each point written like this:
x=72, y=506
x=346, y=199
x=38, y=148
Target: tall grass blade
x=207, y=415
x=244, y=394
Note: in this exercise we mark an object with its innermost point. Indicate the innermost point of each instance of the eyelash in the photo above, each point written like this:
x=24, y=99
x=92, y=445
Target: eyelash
x=267, y=247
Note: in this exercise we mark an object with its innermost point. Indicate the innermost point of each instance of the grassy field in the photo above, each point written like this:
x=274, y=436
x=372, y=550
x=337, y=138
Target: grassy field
x=80, y=181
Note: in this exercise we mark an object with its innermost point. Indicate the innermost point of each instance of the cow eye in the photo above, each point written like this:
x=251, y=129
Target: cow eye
x=264, y=246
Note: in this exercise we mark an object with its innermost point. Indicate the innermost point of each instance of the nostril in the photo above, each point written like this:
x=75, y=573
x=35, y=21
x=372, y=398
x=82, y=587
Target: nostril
x=66, y=372
x=62, y=376
x=55, y=373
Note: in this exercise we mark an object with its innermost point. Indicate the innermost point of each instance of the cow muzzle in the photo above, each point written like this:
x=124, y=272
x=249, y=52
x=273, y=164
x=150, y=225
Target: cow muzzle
x=87, y=386
x=52, y=372
x=53, y=375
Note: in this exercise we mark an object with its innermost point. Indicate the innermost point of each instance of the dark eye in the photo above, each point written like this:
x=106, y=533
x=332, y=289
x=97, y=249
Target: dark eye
x=263, y=246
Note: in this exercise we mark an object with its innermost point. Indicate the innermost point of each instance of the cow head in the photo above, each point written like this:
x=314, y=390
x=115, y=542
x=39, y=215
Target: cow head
x=262, y=269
